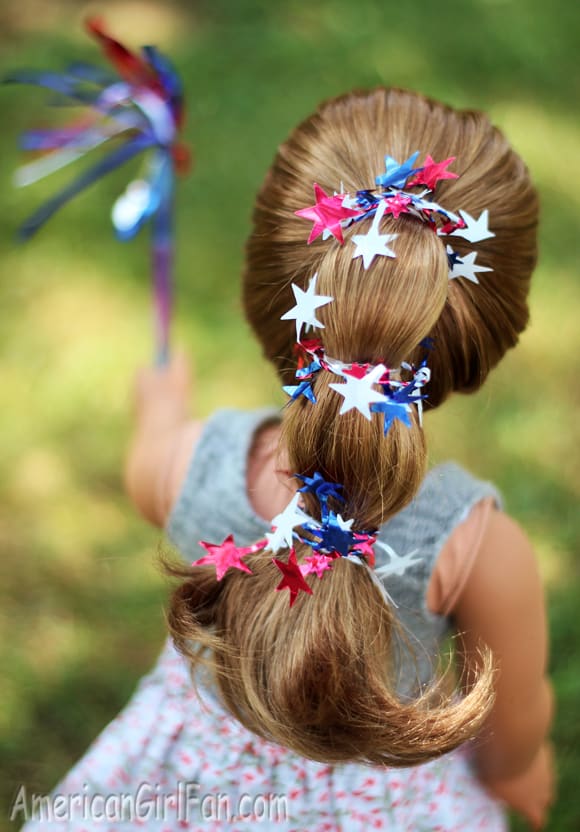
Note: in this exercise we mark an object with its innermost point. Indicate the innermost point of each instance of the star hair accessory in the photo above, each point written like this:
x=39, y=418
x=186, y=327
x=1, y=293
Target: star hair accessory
x=464, y=265
x=392, y=196
x=373, y=244
x=304, y=312
x=330, y=538
x=395, y=399
x=327, y=214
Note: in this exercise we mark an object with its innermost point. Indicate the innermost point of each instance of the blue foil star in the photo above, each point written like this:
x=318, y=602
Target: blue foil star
x=396, y=175
x=453, y=257
x=320, y=487
x=308, y=372
x=334, y=536
x=393, y=410
x=302, y=389
x=366, y=199
x=407, y=395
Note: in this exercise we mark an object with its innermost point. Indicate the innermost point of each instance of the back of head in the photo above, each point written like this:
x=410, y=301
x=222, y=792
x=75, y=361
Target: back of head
x=317, y=678
x=345, y=141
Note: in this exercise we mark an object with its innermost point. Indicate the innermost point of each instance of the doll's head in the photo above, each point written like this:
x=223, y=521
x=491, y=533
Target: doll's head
x=318, y=677
x=396, y=302
x=383, y=313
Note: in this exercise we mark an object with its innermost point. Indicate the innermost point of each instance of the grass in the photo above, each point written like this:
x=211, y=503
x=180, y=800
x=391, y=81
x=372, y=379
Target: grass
x=81, y=597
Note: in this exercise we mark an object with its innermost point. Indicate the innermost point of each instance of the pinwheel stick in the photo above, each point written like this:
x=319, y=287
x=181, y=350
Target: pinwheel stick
x=162, y=284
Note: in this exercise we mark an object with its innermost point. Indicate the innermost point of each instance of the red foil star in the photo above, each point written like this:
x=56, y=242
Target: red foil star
x=293, y=578
x=317, y=564
x=227, y=555
x=312, y=346
x=397, y=205
x=450, y=227
x=361, y=370
x=357, y=370
x=364, y=547
x=433, y=172
x=327, y=214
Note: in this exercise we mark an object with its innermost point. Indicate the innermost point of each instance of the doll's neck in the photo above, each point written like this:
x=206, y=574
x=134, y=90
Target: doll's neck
x=269, y=481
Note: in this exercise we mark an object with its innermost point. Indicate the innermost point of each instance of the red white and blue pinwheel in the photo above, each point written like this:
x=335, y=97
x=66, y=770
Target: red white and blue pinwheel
x=137, y=109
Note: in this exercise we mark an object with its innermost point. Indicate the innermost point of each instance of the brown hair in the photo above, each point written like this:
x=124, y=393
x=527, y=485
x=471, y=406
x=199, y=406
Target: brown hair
x=319, y=678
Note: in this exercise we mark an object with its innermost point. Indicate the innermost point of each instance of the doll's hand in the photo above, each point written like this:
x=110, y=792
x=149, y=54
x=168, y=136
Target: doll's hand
x=161, y=394
x=531, y=793
x=162, y=439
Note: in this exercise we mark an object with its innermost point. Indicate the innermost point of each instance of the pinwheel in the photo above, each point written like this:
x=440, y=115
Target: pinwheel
x=137, y=109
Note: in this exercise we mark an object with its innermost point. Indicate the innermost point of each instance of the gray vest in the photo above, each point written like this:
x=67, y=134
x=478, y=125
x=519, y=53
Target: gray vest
x=214, y=503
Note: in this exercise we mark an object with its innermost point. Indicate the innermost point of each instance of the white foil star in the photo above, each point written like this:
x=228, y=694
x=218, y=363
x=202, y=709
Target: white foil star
x=398, y=564
x=476, y=230
x=283, y=525
x=358, y=392
x=304, y=313
x=373, y=244
x=466, y=267
x=344, y=525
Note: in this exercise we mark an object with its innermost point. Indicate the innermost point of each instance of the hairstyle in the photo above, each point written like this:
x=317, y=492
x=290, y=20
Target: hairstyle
x=319, y=678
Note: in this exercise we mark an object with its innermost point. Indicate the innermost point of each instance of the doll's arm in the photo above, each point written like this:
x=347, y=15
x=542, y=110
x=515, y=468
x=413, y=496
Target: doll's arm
x=531, y=793
x=502, y=604
x=163, y=438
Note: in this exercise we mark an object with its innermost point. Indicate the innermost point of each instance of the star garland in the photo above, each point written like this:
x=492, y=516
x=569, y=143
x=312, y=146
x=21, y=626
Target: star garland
x=394, y=400
x=330, y=538
x=331, y=215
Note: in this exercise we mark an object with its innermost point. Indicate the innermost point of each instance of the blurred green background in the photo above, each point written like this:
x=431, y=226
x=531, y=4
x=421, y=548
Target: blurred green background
x=81, y=594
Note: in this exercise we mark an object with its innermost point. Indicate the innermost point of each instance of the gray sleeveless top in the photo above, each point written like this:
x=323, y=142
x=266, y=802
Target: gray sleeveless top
x=214, y=503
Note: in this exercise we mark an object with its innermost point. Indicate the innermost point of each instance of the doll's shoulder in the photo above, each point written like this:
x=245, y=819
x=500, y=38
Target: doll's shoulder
x=449, y=491
x=213, y=489
x=445, y=501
